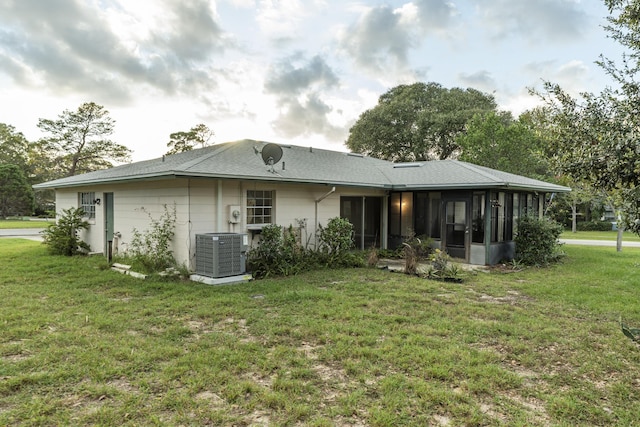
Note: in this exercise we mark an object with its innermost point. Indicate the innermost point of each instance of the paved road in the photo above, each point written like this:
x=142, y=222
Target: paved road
x=23, y=233
x=599, y=243
x=34, y=234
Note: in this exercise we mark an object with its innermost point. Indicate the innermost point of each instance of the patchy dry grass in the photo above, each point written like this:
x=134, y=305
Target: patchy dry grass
x=81, y=346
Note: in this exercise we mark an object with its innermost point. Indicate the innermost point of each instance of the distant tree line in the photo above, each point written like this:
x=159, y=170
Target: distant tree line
x=75, y=142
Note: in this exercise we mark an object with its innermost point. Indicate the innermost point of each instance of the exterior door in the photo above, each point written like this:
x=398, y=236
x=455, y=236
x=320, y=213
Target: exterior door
x=457, y=226
x=364, y=214
x=108, y=223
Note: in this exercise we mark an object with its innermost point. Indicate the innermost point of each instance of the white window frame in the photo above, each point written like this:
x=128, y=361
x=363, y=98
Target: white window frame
x=87, y=202
x=258, y=203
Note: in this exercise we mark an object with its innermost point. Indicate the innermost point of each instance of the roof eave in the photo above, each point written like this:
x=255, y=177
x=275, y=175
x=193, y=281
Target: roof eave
x=174, y=174
x=484, y=186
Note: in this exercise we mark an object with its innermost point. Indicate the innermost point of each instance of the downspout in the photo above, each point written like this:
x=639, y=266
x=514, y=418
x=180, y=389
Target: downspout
x=219, y=207
x=333, y=190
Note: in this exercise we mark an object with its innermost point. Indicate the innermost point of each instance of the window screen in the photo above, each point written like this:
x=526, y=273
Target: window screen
x=86, y=201
x=259, y=206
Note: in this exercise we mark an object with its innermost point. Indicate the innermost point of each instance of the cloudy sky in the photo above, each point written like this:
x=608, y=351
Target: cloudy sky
x=294, y=71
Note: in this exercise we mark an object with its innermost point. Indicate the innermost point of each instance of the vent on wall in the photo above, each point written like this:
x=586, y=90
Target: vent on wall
x=221, y=254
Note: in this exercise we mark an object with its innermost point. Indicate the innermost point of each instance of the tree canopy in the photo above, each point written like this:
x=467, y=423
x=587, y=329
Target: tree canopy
x=14, y=146
x=417, y=122
x=16, y=194
x=498, y=141
x=199, y=135
x=596, y=137
x=78, y=140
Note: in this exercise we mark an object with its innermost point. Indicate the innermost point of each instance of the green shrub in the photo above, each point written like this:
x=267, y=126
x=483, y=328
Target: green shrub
x=337, y=237
x=594, y=226
x=280, y=253
x=335, y=244
x=537, y=241
x=277, y=253
x=62, y=237
x=150, y=250
x=442, y=269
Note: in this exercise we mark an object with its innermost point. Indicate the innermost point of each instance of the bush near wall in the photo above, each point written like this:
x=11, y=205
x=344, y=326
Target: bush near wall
x=279, y=253
x=537, y=241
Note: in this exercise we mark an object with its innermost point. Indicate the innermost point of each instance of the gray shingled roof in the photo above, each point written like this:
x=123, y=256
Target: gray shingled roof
x=241, y=160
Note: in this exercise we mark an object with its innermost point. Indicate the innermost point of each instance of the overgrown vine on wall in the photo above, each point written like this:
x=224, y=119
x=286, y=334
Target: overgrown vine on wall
x=152, y=248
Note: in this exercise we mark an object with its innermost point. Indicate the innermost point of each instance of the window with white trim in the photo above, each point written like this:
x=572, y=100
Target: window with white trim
x=87, y=202
x=259, y=207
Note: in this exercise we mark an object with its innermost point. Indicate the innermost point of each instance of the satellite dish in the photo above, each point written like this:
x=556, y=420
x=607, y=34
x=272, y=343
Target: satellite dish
x=271, y=154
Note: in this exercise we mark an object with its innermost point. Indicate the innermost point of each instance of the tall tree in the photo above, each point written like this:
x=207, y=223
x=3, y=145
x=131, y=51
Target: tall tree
x=417, y=122
x=498, y=141
x=199, y=135
x=78, y=140
x=14, y=147
x=16, y=194
x=597, y=135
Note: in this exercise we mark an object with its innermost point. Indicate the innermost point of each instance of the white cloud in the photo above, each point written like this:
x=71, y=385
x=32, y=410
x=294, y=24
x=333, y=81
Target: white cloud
x=283, y=19
x=536, y=21
x=298, y=84
x=481, y=80
x=279, y=70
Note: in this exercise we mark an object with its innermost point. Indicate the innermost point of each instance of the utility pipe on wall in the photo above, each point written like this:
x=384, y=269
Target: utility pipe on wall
x=333, y=190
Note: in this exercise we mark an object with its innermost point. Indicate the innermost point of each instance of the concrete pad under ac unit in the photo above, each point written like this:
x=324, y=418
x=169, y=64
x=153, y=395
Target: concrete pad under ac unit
x=243, y=278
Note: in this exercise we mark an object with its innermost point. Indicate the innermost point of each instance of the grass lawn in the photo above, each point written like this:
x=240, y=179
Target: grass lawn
x=600, y=235
x=8, y=224
x=81, y=345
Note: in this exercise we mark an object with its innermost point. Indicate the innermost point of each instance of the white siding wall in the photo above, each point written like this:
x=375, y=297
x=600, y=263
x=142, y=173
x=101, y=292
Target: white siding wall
x=197, y=210
x=135, y=204
x=68, y=198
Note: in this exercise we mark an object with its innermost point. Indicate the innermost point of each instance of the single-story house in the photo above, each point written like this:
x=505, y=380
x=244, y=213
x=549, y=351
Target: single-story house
x=470, y=211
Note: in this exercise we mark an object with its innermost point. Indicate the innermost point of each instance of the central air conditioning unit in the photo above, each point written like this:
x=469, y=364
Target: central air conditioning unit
x=221, y=254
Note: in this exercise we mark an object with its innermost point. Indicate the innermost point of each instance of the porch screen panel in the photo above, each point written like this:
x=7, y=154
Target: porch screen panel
x=535, y=204
x=494, y=216
x=516, y=212
x=508, y=217
x=501, y=219
x=497, y=217
x=394, y=214
x=422, y=214
x=477, y=221
x=434, y=218
x=456, y=223
x=372, y=220
x=351, y=208
x=406, y=212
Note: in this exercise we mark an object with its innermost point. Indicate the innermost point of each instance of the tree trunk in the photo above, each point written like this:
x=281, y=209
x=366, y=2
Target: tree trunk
x=574, y=216
x=619, y=239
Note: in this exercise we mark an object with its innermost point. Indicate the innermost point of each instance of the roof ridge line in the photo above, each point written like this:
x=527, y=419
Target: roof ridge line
x=187, y=165
x=476, y=169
